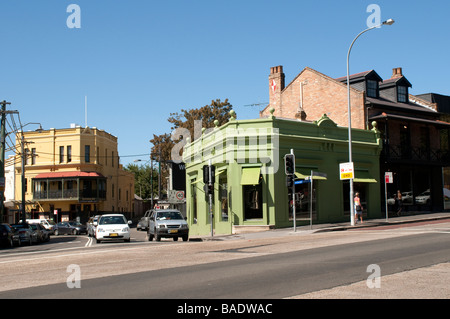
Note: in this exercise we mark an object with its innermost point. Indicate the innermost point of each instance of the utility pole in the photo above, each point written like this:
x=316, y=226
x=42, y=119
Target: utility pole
x=24, y=158
x=2, y=158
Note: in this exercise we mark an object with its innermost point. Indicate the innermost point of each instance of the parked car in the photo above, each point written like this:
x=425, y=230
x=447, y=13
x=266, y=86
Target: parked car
x=64, y=228
x=90, y=225
x=26, y=234
x=80, y=228
x=46, y=223
x=423, y=198
x=167, y=223
x=143, y=222
x=7, y=236
x=41, y=233
x=112, y=227
x=406, y=198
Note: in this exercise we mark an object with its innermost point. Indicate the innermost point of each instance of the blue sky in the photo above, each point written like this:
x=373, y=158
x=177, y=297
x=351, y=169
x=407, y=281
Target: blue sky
x=140, y=60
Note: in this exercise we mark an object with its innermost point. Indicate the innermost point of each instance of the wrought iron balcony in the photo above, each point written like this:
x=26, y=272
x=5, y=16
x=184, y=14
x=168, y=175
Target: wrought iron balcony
x=415, y=154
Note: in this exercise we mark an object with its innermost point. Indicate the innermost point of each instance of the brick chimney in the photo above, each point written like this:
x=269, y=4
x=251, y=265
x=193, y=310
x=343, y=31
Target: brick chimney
x=276, y=85
x=396, y=73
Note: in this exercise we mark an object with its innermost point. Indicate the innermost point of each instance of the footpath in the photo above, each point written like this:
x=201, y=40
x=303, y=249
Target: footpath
x=409, y=217
x=422, y=283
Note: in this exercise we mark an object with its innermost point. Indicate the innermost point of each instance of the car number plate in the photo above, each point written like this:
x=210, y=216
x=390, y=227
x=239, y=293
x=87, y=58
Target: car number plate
x=113, y=234
x=173, y=231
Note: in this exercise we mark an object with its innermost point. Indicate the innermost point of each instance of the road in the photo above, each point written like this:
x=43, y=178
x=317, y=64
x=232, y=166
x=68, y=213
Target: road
x=294, y=266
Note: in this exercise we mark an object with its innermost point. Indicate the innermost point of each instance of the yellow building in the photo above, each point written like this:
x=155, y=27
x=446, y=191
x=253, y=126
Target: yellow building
x=72, y=173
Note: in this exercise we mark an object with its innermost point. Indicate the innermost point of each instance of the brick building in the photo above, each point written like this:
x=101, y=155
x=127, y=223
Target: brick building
x=415, y=137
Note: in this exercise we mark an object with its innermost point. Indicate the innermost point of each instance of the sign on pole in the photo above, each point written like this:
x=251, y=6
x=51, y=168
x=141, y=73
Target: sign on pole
x=346, y=171
x=388, y=179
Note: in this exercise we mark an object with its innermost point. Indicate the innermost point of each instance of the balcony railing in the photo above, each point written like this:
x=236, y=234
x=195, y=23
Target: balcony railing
x=416, y=154
x=71, y=194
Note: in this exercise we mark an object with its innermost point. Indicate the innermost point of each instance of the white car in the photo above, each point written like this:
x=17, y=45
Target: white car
x=423, y=198
x=112, y=227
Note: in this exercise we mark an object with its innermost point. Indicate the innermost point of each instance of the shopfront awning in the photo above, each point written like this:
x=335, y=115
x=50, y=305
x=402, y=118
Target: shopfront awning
x=250, y=175
x=363, y=177
x=306, y=173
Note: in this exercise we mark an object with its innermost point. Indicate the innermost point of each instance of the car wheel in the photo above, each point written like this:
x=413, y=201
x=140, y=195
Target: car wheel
x=127, y=240
x=98, y=241
x=74, y=232
x=185, y=238
x=11, y=243
x=56, y=233
x=150, y=236
x=30, y=241
x=175, y=239
x=19, y=242
x=157, y=237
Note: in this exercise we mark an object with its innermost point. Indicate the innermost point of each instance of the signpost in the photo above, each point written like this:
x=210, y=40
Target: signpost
x=388, y=179
x=346, y=172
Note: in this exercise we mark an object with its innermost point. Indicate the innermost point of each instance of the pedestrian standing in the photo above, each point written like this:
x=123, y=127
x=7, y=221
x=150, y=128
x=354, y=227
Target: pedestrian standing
x=358, y=207
x=399, y=203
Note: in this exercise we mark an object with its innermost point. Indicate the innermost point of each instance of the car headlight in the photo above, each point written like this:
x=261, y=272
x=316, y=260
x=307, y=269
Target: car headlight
x=161, y=226
x=125, y=230
x=100, y=230
x=184, y=226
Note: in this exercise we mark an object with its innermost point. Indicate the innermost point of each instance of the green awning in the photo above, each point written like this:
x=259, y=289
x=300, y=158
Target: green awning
x=304, y=173
x=363, y=177
x=250, y=175
x=300, y=176
x=197, y=181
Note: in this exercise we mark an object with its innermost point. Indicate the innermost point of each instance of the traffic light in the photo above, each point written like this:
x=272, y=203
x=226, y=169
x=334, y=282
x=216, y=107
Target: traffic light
x=209, y=184
x=289, y=164
x=289, y=181
x=206, y=174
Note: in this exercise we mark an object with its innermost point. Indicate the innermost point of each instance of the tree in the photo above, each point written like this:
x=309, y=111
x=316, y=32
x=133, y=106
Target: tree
x=163, y=144
x=142, y=177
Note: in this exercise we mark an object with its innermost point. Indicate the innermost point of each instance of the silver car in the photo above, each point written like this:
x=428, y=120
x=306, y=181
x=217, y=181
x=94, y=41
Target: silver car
x=167, y=223
x=91, y=225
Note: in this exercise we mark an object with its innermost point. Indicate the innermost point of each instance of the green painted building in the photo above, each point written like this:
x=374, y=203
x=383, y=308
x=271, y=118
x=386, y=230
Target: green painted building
x=250, y=182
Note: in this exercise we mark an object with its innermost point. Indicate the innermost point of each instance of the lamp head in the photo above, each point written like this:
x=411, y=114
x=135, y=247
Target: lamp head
x=388, y=22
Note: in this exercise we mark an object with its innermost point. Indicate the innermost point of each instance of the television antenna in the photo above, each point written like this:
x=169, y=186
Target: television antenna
x=257, y=104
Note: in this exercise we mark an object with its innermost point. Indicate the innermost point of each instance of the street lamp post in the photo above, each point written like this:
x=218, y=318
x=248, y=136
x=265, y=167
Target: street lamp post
x=350, y=158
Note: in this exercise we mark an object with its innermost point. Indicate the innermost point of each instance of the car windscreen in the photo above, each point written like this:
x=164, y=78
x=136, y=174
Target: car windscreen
x=168, y=215
x=111, y=220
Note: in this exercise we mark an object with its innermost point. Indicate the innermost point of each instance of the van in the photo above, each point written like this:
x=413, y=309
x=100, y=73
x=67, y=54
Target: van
x=46, y=223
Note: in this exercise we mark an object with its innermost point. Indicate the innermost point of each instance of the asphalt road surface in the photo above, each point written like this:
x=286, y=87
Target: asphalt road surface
x=274, y=275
